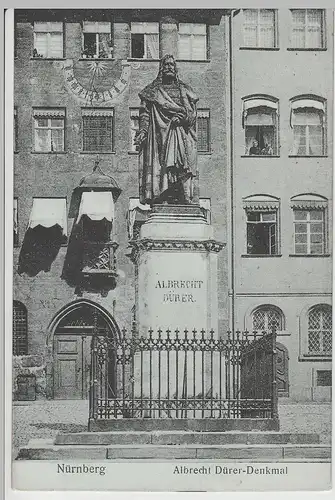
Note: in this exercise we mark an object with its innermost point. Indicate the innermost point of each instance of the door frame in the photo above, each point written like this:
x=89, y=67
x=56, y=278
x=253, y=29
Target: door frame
x=113, y=331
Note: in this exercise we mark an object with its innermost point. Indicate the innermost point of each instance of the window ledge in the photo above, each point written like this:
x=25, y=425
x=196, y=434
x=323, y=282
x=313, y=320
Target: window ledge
x=253, y=256
x=259, y=48
x=313, y=358
x=204, y=152
x=48, y=58
x=318, y=255
x=141, y=59
x=307, y=49
x=194, y=60
x=260, y=156
x=308, y=156
x=49, y=152
x=97, y=152
x=90, y=59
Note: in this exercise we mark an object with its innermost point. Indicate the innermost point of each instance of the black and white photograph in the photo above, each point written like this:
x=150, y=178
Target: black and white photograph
x=172, y=248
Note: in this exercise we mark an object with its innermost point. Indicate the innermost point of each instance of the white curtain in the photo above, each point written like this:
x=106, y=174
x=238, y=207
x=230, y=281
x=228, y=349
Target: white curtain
x=152, y=41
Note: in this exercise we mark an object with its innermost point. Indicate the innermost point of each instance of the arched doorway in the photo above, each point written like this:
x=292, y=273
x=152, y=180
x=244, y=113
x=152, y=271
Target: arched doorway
x=72, y=342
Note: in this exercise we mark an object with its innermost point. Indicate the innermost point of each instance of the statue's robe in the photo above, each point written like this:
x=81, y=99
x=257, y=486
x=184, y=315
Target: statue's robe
x=169, y=152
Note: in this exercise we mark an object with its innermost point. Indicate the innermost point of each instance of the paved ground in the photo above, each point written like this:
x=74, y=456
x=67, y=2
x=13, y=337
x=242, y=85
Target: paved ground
x=44, y=419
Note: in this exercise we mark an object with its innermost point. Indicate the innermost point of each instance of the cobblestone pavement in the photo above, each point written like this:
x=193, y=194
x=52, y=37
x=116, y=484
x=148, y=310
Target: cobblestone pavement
x=44, y=419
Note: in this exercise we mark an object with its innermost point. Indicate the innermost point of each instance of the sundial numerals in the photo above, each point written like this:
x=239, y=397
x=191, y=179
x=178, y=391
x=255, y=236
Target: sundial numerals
x=90, y=95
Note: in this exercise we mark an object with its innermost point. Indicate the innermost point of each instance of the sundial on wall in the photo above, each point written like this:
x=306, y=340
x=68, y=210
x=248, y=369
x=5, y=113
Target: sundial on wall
x=96, y=83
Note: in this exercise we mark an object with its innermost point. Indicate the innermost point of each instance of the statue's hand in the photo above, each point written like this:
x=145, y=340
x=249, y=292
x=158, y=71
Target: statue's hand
x=175, y=120
x=140, y=137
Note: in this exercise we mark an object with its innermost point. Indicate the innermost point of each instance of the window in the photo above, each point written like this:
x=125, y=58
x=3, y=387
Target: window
x=48, y=40
x=97, y=130
x=20, y=329
x=262, y=225
x=308, y=231
x=267, y=318
x=192, y=42
x=203, y=131
x=324, y=378
x=144, y=40
x=320, y=330
x=49, y=130
x=307, y=29
x=259, y=28
x=96, y=230
x=260, y=121
x=97, y=40
x=308, y=124
x=15, y=224
x=134, y=127
x=309, y=224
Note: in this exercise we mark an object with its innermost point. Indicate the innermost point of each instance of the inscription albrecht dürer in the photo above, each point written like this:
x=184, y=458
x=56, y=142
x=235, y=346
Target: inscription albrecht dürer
x=179, y=284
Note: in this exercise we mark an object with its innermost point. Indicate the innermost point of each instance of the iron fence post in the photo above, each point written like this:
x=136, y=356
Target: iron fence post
x=93, y=399
x=274, y=375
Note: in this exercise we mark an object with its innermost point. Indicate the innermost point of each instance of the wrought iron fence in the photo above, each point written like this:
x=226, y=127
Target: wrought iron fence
x=186, y=374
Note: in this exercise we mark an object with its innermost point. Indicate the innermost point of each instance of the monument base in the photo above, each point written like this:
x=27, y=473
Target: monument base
x=176, y=258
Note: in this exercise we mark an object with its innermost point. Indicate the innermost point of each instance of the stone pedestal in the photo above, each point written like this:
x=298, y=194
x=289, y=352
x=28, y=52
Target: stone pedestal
x=176, y=264
x=176, y=259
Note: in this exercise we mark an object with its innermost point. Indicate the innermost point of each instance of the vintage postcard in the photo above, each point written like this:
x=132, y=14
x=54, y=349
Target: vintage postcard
x=172, y=248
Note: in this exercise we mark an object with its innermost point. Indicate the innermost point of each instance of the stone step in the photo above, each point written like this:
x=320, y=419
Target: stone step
x=184, y=424
x=44, y=449
x=183, y=438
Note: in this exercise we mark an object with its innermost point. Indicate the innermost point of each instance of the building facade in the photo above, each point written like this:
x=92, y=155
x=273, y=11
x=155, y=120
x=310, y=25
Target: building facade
x=264, y=82
x=77, y=79
x=282, y=189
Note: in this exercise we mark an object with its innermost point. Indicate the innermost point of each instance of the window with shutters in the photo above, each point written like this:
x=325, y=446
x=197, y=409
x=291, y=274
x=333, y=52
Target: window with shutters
x=134, y=114
x=144, y=40
x=320, y=330
x=97, y=130
x=48, y=40
x=267, y=318
x=192, y=42
x=260, y=122
x=49, y=130
x=203, y=131
x=97, y=40
x=309, y=218
x=307, y=29
x=259, y=28
x=308, y=119
x=262, y=225
x=20, y=329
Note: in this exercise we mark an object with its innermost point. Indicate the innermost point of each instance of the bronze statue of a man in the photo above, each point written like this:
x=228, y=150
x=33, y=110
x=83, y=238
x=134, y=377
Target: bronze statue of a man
x=167, y=138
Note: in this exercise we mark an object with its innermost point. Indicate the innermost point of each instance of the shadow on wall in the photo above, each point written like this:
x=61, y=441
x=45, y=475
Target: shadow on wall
x=88, y=250
x=73, y=258
x=39, y=249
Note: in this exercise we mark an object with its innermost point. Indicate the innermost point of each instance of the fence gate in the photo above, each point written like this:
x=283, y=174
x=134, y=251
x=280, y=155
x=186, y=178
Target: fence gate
x=183, y=375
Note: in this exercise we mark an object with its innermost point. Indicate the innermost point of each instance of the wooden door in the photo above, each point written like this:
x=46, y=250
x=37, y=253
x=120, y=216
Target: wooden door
x=282, y=370
x=71, y=366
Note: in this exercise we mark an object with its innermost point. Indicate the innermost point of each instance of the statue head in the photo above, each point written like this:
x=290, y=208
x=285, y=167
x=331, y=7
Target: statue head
x=167, y=68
